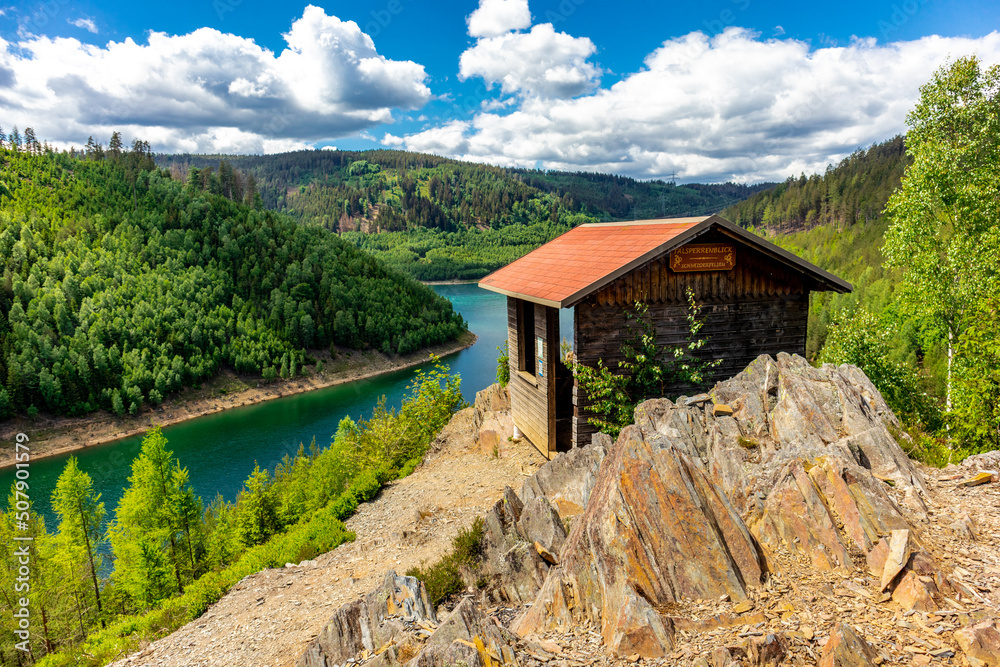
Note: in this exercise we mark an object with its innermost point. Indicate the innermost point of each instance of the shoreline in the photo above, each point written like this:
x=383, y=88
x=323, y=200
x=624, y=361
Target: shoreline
x=59, y=435
x=449, y=282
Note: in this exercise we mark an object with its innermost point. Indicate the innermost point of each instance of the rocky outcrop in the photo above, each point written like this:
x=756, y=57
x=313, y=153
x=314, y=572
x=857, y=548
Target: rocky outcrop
x=709, y=504
x=656, y=530
x=373, y=627
x=568, y=480
x=514, y=569
x=807, y=456
x=491, y=422
x=395, y=625
x=691, y=500
x=467, y=638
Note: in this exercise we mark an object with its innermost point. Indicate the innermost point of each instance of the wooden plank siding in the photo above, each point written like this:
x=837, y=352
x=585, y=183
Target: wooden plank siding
x=533, y=398
x=758, y=307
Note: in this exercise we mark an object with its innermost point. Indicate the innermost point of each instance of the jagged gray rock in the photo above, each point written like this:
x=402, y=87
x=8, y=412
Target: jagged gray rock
x=795, y=452
x=510, y=562
x=656, y=530
x=463, y=638
x=568, y=480
x=370, y=623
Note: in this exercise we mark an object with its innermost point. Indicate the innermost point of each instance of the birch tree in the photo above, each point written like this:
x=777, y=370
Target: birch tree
x=944, y=231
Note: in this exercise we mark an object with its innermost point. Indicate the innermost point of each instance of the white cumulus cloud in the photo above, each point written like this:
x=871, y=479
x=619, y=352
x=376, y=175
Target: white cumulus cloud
x=207, y=90
x=541, y=62
x=732, y=106
x=86, y=24
x=495, y=17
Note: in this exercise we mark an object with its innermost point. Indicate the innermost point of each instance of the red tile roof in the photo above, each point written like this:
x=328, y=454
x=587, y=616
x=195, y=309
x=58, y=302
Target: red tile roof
x=565, y=270
x=582, y=257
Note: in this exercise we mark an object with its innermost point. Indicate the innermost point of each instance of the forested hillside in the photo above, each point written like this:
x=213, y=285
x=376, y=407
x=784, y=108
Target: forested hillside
x=854, y=191
x=121, y=285
x=917, y=234
x=437, y=218
x=836, y=220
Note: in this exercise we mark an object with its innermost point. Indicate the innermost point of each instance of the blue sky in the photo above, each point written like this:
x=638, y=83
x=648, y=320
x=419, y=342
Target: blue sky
x=723, y=90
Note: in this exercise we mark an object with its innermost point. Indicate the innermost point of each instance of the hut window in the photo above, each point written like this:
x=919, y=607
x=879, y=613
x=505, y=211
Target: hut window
x=526, y=336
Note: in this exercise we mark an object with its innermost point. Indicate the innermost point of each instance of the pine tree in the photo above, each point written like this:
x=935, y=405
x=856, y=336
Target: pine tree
x=256, y=509
x=115, y=146
x=28, y=526
x=31, y=142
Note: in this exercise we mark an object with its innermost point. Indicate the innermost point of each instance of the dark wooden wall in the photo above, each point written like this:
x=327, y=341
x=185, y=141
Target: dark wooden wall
x=758, y=307
x=533, y=398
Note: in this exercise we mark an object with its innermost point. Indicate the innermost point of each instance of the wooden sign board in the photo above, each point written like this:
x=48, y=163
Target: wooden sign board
x=703, y=257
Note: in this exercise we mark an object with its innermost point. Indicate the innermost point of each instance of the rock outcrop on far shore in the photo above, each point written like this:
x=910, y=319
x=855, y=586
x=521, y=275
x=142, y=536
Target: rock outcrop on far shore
x=779, y=477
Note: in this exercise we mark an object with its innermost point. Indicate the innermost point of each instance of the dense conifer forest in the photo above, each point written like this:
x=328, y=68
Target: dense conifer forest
x=442, y=219
x=121, y=284
x=854, y=191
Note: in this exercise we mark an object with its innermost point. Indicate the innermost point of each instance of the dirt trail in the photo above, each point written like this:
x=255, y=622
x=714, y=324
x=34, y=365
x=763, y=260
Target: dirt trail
x=269, y=617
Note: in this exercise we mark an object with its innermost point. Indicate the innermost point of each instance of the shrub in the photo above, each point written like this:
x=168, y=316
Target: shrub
x=443, y=577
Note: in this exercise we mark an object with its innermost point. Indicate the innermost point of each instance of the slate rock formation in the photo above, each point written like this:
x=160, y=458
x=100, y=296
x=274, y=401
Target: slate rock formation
x=656, y=530
x=689, y=503
x=364, y=626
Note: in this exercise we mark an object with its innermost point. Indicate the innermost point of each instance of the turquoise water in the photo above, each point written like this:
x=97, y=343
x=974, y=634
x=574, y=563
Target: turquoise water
x=220, y=450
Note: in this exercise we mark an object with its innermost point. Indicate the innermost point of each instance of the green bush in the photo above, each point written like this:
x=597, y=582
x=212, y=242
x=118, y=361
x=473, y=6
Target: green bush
x=503, y=364
x=442, y=578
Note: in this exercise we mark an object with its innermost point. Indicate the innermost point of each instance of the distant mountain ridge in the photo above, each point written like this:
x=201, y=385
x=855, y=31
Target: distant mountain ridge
x=317, y=183
x=438, y=218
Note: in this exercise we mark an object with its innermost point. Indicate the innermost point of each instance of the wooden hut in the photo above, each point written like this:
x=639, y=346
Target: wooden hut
x=754, y=297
